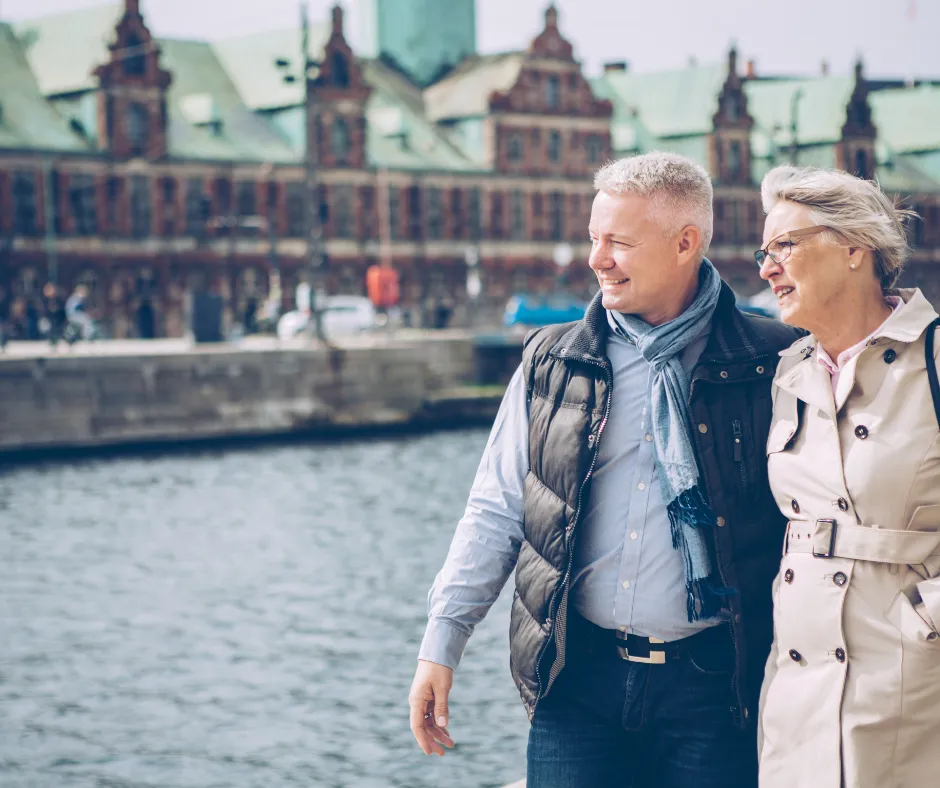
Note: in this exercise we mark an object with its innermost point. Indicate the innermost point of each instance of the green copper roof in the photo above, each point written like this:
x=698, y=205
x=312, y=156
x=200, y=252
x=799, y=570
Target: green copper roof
x=27, y=120
x=908, y=118
x=63, y=50
x=252, y=63
x=465, y=92
x=820, y=108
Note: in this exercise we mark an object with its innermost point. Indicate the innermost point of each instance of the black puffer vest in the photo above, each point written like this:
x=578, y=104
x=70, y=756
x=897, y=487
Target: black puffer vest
x=569, y=384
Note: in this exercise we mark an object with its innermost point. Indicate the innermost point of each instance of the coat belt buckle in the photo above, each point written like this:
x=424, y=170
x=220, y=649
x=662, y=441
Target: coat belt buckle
x=825, y=530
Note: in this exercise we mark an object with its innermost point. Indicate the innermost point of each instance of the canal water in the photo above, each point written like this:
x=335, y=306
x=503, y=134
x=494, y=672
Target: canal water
x=240, y=618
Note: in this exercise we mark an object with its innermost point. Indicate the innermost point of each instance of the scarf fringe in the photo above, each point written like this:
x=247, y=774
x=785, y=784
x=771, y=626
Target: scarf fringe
x=691, y=516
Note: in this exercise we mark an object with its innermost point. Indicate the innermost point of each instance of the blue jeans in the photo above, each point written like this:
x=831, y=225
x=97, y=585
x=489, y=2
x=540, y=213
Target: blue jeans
x=610, y=723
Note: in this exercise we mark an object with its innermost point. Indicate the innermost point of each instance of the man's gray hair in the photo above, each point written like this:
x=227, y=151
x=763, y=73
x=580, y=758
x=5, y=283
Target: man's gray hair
x=857, y=210
x=680, y=189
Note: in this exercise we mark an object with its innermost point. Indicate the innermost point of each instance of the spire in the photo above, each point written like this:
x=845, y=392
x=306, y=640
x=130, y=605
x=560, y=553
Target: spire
x=859, y=69
x=733, y=59
x=551, y=17
x=131, y=7
x=337, y=20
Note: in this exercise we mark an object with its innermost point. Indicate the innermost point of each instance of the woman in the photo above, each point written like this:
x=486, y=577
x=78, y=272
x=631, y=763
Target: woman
x=851, y=695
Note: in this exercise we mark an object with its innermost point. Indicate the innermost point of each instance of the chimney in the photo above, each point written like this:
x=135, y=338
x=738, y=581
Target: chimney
x=751, y=72
x=824, y=68
x=615, y=66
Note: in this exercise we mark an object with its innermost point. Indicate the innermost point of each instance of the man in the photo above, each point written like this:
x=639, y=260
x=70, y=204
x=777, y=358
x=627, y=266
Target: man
x=625, y=479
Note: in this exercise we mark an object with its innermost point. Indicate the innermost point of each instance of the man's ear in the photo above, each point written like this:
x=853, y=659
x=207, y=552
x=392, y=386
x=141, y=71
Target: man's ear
x=689, y=242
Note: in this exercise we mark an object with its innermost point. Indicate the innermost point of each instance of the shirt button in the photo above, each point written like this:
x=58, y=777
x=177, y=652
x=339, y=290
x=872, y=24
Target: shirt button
x=703, y=428
x=839, y=578
x=890, y=355
x=721, y=522
x=788, y=576
x=641, y=486
x=840, y=654
x=626, y=583
x=795, y=506
x=795, y=655
x=649, y=437
x=843, y=504
x=861, y=432
x=634, y=536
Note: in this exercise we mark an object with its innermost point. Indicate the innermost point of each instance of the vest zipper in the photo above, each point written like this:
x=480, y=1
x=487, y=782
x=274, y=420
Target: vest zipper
x=563, y=624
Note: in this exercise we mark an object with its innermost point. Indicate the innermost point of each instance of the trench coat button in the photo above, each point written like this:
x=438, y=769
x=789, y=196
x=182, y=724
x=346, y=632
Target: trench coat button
x=861, y=432
x=839, y=578
x=890, y=355
x=843, y=505
x=795, y=505
x=703, y=428
x=723, y=373
x=721, y=522
x=795, y=655
x=788, y=576
x=840, y=654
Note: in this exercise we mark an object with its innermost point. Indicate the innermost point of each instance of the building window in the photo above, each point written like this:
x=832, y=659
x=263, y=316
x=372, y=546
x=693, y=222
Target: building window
x=367, y=210
x=168, y=201
x=140, y=206
x=223, y=196
x=557, y=216
x=339, y=70
x=496, y=215
x=861, y=164
x=82, y=197
x=24, y=204
x=197, y=207
x=296, y=210
x=456, y=214
x=515, y=147
x=413, y=200
x=339, y=140
x=115, y=198
x=473, y=213
x=733, y=107
x=517, y=215
x=734, y=162
x=594, y=149
x=435, y=219
x=554, y=146
x=552, y=92
x=394, y=212
x=136, y=129
x=342, y=211
x=736, y=229
x=246, y=196
x=135, y=61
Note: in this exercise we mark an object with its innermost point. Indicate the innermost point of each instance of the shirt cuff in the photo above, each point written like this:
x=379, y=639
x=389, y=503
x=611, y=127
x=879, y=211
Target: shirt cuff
x=443, y=643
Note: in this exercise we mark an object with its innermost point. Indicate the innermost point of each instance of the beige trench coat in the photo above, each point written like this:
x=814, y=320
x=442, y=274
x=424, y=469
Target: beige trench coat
x=851, y=695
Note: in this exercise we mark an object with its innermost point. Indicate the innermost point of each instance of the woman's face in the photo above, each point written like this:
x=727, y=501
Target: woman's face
x=812, y=279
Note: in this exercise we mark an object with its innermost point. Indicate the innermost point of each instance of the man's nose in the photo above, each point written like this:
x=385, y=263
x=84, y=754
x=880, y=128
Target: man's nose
x=600, y=258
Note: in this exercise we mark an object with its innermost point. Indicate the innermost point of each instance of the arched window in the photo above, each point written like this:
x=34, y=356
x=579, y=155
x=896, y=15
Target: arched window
x=135, y=63
x=339, y=140
x=552, y=92
x=339, y=70
x=137, y=129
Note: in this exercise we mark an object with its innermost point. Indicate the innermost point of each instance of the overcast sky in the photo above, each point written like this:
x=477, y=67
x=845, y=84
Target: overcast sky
x=897, y=38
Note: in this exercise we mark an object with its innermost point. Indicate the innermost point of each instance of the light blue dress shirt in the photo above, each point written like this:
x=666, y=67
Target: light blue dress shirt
x=626, y=574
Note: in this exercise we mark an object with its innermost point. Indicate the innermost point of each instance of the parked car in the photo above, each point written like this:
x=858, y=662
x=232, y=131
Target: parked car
x=542, y=310
x=342, y=315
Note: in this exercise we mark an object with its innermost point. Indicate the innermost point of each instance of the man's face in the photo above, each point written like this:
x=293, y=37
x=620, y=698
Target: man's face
x=638, y=268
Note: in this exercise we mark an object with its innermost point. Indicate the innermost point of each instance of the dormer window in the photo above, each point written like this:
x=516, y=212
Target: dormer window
x=339, y=70
x=136, y=128
x=339, y=140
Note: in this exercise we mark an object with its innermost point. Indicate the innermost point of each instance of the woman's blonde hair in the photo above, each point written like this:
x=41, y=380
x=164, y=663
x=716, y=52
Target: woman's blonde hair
x=857, y=210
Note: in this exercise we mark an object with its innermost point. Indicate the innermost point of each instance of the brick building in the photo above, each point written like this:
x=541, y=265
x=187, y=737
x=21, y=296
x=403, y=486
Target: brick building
x=147, y=168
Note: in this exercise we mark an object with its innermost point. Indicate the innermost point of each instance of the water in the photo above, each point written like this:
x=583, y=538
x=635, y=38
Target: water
x=240, y=618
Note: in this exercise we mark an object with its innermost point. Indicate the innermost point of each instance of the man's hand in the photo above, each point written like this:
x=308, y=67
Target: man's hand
x=428, y=702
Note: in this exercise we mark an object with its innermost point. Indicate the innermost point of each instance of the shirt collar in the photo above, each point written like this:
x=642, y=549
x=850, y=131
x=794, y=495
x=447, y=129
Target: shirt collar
x=822, y=357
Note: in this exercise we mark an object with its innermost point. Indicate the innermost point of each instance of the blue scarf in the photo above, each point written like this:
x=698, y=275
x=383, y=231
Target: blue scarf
x=691, y=518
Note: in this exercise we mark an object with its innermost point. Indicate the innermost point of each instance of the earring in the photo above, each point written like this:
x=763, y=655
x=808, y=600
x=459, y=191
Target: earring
x=853, y=266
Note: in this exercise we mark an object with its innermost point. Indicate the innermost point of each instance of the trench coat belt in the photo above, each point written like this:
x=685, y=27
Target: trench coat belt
x=829, y=539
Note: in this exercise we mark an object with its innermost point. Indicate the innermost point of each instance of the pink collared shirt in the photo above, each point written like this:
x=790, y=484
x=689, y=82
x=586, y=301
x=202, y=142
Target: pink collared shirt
x=835, y=367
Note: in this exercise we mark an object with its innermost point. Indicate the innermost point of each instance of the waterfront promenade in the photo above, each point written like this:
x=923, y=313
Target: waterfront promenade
x=136, y=393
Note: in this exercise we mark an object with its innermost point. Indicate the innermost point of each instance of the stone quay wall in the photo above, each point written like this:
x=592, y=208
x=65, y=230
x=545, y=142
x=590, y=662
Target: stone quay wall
x=102, y=398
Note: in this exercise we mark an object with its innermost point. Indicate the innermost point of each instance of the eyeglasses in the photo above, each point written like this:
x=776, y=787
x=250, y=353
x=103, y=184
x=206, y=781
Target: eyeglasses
x=780, y=247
